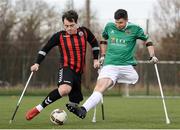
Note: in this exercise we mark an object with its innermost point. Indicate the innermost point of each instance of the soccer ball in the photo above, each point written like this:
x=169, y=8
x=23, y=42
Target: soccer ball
x=58, y=117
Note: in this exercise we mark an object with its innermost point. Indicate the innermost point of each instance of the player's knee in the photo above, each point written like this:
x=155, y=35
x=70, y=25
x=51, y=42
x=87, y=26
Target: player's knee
x=64, y=90
x=98, y=88
x=102, y=85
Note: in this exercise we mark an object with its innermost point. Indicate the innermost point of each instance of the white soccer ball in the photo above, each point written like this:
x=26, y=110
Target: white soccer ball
x=58, y=117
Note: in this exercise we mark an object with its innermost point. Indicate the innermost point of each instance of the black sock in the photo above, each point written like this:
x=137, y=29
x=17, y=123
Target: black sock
x=52, y=97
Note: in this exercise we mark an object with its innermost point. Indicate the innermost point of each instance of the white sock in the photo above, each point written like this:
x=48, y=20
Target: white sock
x=39, y=107
x=93, y=100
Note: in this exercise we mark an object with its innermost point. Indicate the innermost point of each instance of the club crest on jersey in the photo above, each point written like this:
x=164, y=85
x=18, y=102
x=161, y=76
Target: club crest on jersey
x=128, y=32
x=80, y=33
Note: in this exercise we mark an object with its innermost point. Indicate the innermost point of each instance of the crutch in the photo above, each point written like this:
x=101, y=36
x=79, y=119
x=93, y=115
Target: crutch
x=102, y=109
x=162, y=95
x=17, y=106
x=94, y=115
x=102, y=102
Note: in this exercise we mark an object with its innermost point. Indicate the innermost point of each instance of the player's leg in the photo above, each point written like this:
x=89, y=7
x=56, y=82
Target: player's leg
x=101, y=86
x=127, y=74
x=75, y=96
x=107, y=78
x=63, y=90
x=93, y=100
x=52, y=97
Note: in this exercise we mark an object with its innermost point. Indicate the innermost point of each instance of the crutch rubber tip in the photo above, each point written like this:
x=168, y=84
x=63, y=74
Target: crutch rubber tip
x=93, y=121
x=168, y=121
x=10, y=122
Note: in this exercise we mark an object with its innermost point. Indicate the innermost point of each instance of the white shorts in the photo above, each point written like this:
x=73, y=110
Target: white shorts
x=121, y=74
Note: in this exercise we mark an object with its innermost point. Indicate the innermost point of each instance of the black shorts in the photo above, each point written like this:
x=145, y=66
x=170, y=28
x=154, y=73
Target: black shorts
x=70, y=77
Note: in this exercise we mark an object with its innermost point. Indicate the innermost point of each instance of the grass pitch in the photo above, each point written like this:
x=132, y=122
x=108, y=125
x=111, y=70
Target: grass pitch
x=120, y=113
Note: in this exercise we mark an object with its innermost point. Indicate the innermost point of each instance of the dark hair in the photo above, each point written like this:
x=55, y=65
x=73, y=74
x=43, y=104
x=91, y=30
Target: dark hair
x=121, y=13
x=70, y=15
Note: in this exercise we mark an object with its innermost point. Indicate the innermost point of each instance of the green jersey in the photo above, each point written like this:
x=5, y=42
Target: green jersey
x=122, y=43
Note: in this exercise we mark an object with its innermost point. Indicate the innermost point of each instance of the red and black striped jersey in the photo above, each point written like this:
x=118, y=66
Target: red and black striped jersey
x=72, y=48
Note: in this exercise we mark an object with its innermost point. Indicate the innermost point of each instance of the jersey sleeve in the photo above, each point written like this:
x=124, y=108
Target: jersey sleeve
x=105, y=33
x=140, y=34
x=54, y=40
x=93, y=42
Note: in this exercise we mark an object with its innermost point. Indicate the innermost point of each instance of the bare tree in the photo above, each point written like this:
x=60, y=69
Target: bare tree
x=38, y=22
x=167, y=17
x=24, y=28
x=7, y=22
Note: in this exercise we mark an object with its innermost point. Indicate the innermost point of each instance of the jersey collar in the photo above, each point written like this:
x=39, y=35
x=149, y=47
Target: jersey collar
x=125, y=26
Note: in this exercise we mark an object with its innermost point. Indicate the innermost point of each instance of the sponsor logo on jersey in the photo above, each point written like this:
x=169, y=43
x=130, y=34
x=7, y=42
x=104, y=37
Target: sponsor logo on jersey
x=113, y=40
x=118, y=41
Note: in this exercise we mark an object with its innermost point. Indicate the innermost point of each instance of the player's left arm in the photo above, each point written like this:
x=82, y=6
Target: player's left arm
x=150, y=47
x=95, y=46
x=149, y=44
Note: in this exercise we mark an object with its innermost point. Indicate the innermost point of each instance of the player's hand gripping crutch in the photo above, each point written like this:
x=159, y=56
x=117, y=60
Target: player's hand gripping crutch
x=162, y=95
x=18, y=103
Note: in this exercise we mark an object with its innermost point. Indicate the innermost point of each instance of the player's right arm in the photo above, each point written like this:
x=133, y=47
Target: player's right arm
x=103, y=46
x=54, y=40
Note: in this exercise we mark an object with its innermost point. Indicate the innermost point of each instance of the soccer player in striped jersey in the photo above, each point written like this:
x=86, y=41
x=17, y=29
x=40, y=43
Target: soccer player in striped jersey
x=119, y=59
x=72, y=43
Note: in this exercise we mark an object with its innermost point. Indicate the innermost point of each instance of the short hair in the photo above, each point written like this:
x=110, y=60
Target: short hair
x=70, y=15
x=121, y=13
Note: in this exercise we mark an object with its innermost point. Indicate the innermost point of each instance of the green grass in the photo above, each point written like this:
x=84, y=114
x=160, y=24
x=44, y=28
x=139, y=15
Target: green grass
x=120, y=113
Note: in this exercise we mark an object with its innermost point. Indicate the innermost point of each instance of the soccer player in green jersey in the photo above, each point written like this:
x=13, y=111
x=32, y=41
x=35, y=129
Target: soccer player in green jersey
x=117, y=52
